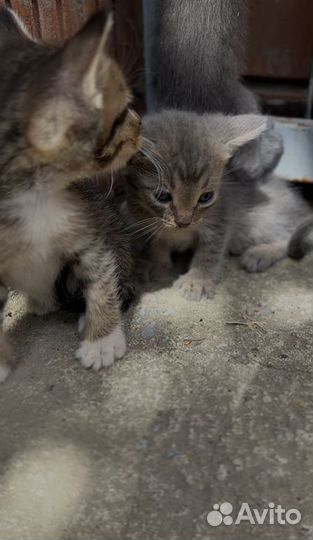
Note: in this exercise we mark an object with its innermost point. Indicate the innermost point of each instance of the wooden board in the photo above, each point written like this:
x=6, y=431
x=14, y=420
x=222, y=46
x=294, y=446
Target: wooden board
x=54, y=21
x=280, y=38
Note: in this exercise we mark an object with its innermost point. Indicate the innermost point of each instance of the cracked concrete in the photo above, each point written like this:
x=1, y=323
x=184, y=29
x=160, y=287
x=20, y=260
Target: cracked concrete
x=200, y=411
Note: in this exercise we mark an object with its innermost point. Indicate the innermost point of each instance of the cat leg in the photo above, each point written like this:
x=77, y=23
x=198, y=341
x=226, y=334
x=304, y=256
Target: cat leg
x=259, y=258
x=201, y=279
x=6, y=352
x=102, y=332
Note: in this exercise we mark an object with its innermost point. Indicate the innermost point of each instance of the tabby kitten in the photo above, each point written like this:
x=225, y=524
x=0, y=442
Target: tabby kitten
x=64, y=116
x=195, y=204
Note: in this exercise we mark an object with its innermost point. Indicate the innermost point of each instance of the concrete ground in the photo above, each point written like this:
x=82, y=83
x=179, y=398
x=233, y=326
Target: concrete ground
x=202, y=410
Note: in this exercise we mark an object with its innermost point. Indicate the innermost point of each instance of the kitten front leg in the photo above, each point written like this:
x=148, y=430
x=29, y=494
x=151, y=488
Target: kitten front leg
x=201, y=279
x=103, y=336
x=6, y=352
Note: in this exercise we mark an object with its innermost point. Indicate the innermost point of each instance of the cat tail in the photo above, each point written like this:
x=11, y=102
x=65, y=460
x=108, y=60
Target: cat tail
x=302, y=240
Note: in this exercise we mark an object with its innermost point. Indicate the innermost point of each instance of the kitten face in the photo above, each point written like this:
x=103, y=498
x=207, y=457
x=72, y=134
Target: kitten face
x=192, y=151
x=71, y=111
x=181, y=199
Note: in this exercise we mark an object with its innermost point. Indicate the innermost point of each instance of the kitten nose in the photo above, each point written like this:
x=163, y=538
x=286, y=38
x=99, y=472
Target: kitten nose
x=182, y=222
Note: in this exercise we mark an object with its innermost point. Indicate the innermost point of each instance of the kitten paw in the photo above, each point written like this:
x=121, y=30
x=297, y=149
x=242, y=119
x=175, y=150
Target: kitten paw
x=103, y=351
x=195, y=288
x=261, y=257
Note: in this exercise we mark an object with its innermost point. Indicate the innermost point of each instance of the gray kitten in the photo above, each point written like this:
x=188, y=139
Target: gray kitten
x=194, y=53
x=302, y=240
x=197, y=203
x=64, y=117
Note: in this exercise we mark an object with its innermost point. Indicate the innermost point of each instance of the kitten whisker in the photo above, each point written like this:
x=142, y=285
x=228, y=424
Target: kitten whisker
x=142, y=224
x=111, y=186
x=148, y=151
x=154, y=234
x=142, y=221
x=143, y=231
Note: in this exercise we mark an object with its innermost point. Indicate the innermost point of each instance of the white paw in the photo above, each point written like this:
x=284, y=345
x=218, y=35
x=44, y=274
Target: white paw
x=102, y=352
x=4, y=372
x=194, y=288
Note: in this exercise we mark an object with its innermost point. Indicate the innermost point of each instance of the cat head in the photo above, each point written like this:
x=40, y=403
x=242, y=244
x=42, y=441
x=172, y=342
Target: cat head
x=177, y=177
x=67, y=110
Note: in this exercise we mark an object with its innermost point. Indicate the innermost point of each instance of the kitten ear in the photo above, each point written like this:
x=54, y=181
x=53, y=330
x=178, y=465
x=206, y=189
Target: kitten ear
x=235, y=131
x=79, y=69
x=12, y=27
x=49, y=125
x=85, y=60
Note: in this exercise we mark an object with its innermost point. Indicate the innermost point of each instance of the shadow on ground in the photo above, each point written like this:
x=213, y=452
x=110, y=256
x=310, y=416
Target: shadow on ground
x=202, y=410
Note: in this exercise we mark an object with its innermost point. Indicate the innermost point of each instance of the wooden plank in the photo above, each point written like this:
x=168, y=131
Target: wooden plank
x=280, y=40
x=54, y=21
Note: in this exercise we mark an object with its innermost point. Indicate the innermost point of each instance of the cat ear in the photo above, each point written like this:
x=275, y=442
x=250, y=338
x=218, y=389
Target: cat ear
x=85, y=60
x=78, y=69
x=231, y=132
x=49, y=125
x=12, y=27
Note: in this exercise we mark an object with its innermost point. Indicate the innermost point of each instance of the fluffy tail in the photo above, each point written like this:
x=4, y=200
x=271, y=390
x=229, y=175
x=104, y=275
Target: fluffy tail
x=302, y=240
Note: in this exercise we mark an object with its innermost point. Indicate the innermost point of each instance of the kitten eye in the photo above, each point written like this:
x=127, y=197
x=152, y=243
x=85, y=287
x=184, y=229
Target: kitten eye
x=163, y=196
x=206, y=197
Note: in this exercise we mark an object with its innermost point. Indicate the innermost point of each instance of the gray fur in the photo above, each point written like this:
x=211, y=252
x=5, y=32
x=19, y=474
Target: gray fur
x=302, y=240
x=64, y=117
x=249, y=219
x=195, y=55
x=194, y=58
